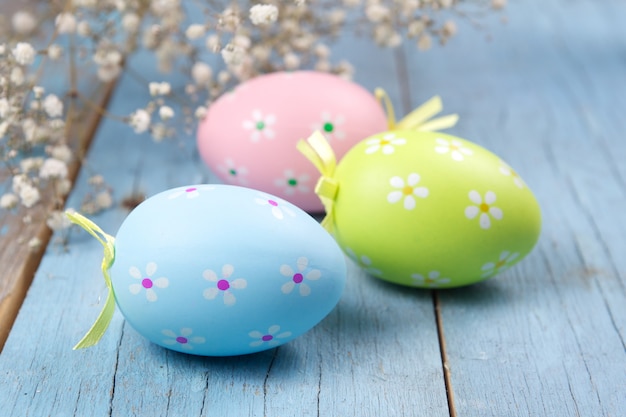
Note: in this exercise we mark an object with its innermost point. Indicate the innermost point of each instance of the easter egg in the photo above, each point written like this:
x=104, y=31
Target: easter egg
x=220, y=270
x=248, y=136
x=427, y=209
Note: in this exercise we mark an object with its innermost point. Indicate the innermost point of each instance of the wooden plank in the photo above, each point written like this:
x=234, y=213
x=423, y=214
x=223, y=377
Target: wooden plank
x=546, y=337
x=377, y=350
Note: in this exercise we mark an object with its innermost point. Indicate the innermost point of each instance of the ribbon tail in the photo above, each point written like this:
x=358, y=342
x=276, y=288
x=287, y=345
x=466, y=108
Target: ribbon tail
x=439, y=123
x=385, y=102
x=421, y=114
x=101, y=324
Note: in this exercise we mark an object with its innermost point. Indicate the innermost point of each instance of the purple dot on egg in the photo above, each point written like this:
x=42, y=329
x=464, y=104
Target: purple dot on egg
x=147, y=283
x=272, y=202
x=223, y=285
x=297, y=278
x=267, y=337
x=182, y=340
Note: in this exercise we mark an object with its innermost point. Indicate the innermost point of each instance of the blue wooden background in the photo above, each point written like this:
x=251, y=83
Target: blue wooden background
x=546, y=92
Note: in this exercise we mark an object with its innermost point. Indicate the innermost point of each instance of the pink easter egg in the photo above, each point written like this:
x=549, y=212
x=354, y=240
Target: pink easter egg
x=249, y=135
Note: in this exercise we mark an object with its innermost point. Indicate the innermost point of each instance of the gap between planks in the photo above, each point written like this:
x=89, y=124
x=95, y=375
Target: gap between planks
x=19, y=264
x=402, y=73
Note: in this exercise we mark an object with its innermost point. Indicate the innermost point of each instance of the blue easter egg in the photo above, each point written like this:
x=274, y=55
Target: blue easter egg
x=220, y=270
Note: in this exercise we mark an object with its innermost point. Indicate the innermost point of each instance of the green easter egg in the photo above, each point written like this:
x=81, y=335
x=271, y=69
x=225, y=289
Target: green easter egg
x=427, y=209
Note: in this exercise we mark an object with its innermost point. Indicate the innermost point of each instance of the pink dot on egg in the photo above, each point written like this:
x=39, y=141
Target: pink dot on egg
x=147, y=283
x=297, y=278
x=272, y=203
x=182, y=340
x=190, y=190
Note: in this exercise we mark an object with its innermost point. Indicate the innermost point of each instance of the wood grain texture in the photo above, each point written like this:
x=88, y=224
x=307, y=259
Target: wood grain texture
x=377, y=351
x=546, y=94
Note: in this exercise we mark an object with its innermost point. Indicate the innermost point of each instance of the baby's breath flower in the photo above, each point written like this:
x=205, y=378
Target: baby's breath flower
x=194, y=31
x=159, y=89
x=8, y=201
x=201, y=73
x=57, y=220
x=38, y=91
x=24, y=53
x=54, y=52
x=23, y=22
x=292, y=61
x=376, y=12
x=31, y=164
x=140, y=121
x=232, y=54
x=65, y=23
x=53, y=168
x=104, y=200
x=83, y=28
x=213, y=43
x=200, y=112
x=53, y=106
x=130, y=22
x=263, y=14
x=29, y=195
x=61, y=152
x=34, y=244
x=166, y=112
x=424, y=42
x=17, y=76
x=498, y=4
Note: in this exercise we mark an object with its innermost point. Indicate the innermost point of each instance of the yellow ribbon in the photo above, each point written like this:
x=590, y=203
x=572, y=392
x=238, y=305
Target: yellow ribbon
x=418, y=119
x=97, y=330
x=317, y=150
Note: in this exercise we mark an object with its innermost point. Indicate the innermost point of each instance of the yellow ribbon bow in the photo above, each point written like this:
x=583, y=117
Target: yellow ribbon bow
x=418, y=119
x=317, y=150
x=97, y=330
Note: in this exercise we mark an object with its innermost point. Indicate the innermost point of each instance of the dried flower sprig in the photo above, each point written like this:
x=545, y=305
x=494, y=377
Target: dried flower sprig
x=211, y=46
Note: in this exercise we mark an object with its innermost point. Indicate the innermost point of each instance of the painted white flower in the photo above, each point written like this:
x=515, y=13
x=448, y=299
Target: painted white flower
x=387, y=144
x=290, y=183
x=260, y=126
x=182, y=339
x=364, y=262
x=509, y=172
x=505, y=260
x=278, y=209
x=147, y=282
x=297, y=277
x=407, y=190
x=484, y=209
x=270, y=337
x=432, y=279
x=189, y=192
x=330, y=126
x=454, y=147
x=223, y=285
x=235, y=174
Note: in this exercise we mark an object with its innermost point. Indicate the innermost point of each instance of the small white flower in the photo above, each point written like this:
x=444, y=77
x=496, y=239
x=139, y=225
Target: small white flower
x=57, y=220
x=233, y=55
x=201, y=73
x=83, y=28
x=484, y=208
x=182, y=339
x=24, y=53
x=376, y=12
x=147, y=282
x=194, y=31
x=103, y=200
x=17, y=76
x=189, y=192
x=454, y=147
x=387, y=144
x=38, y=91
x=130, y=22
x=54, y=52
x=140, y=121
x=166, y=112
x=270, y=337
x=408, y=190
x=4, y=107
x=65, y=23
x=29, y=195
x=200, y=112
x=23, y=22
x=159, y=89
x=31, y=164
x=53, y=106
x=364, y=262
x=60, y=152
x=260, y=126
x=292, y=61
x=505, y=260
x=290, y=183
x=53, y=168
x=432, y=279
x=8, y=201
x=263, y=14
x=298, y=277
